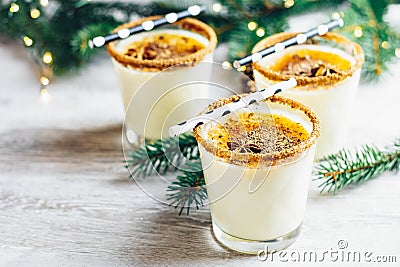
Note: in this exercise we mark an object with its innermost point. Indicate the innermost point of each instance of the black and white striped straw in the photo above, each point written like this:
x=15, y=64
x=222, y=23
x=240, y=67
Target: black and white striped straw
x=298, y=39
x=252, y=98
x=148, y=25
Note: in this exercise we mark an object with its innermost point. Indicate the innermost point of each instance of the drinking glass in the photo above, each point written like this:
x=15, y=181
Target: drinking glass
x=330, y=96
x=258, y=200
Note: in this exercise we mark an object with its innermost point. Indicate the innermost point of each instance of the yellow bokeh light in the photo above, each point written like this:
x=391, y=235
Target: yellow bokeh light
x=35, y=13
x=397, y=52
x=44, y=2
x=47, y=57
x=260, y=32
x=242, y=68
x=289, y=3
x=252, y=25
x=358, y=31
x=14, y=8
x=44, y=80
x=28, y=41
x=217, y=7
x=385, y=44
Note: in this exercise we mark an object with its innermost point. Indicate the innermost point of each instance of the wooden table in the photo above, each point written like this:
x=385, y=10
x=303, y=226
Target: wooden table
x=66, y=200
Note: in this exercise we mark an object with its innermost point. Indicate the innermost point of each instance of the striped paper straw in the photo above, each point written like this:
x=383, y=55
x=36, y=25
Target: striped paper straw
x=252, y=98
x=298, y=39
x=148, y=25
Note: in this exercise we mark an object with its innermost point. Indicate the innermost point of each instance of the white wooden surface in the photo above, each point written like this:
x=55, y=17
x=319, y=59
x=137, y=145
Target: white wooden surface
x=65, y=198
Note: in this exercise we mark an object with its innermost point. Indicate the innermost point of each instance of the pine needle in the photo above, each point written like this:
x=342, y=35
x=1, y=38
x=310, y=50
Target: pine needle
x=189, y=189
x=162, y=156
x=336, y=171
x=355, y=167
x=65, y=28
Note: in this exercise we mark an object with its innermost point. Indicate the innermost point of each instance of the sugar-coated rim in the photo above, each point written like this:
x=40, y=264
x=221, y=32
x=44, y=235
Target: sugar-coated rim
x=189, y=24
x=270, y=159
x=321, y=81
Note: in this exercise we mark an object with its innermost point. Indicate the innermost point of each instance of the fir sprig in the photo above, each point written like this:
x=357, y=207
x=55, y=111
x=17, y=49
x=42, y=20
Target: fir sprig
x=189, y=189
x=377, y=39
x=162, y=155
x=335, y=171
x=64, y=27
x=354, y=167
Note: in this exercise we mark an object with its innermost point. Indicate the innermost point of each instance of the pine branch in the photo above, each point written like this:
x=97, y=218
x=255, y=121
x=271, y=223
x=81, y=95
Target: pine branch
x=345, y=168
x=65, y=28
x=377, y=39
x=336, y=171
x=189, y=189
x=162, y=155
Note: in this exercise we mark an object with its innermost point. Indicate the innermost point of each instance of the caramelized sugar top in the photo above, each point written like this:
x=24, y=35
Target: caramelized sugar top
x=256, y=130
x=163, y=46
x=310, y=63
x=352, y=53
x=250, y=132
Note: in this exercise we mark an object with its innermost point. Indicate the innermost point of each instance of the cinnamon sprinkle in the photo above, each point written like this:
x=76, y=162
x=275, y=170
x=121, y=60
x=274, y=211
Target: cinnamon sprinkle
x=311, y=81
x=163, y=46
x=159, y=64
x=288, y=143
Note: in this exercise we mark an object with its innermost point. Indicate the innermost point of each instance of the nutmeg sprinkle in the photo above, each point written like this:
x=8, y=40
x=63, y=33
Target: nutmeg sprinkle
x=250, y=132
x=310, y=63
x=163, y=46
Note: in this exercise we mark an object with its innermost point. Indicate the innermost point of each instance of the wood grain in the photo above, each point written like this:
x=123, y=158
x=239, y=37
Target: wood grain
x=67, y=193
x=66, y=200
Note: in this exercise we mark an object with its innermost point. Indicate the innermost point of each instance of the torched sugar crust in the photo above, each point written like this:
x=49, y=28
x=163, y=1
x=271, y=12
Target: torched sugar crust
x=334, y=61
x=311, y=82
x=252, y=132
x=163, y=46
x=189, y=24
x=267, y=156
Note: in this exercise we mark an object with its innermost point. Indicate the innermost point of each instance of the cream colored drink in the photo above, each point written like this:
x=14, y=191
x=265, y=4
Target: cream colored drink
x=327, y=74
x=162, y=59
x=257, y=165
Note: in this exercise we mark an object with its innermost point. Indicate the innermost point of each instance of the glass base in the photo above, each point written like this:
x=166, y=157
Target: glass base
x=255, y=246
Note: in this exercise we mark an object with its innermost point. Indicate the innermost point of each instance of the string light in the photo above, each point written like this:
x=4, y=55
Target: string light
x=289, y=3
x=47, y=57
x=44, y=81
x=44, y=2
x=44, y=95
x=242, y=68
x=252, y=25
x=226, y=65
x=14, y=8
x=217, y=7
x=397, y=52
x=336, y=16
x=358, y=31
x=35, y=13
x=27, y=41
x=385, y=44
x=260, y=32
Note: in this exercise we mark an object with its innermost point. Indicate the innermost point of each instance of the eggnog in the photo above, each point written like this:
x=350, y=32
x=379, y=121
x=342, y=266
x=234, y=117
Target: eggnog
x=170, y=56
x=327, y=72
x=257, y=164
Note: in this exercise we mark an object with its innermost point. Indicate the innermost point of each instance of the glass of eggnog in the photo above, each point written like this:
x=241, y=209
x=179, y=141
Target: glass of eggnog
x=170, y=55
x=327, y=70
x=257, y=164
